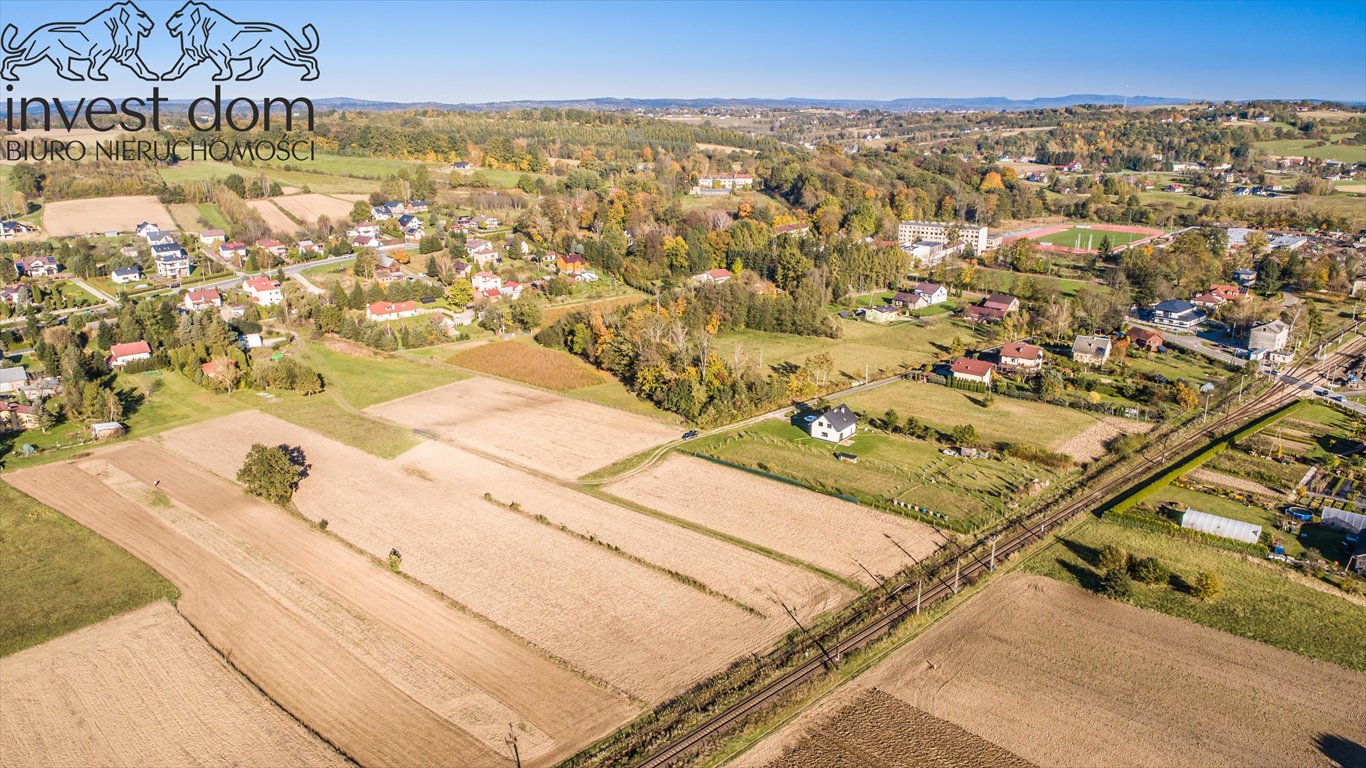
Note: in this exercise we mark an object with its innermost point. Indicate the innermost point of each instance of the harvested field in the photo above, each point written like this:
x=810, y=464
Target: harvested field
x=275, y=218
x=308, y=207
x=297, y=642
x=877, y=729
x=616, y=614
x=1058, y=676
x=817, y=529
x=143, y=689
x=553, y=434
x=103, y=214
x=530, y=364
x=1241, y=484
x=186, y=218
x=1091, y=442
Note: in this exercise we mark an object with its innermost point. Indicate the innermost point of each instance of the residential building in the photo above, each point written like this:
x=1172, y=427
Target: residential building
x=792, y=229
x=1145, y=339
x=173, y=262
x=143, y=228
x=263, y=291
x=570, y=263
x=1208, y=301
x=364, y=241
x=125, y=275
x=159, y=237
x=480, y=251
x=970, y=370
x=1228, y=292
x=388, y=310
x=418, y=206
x=308, y=246
x=880, y=315
x=17, y=295
x=203, y=299
x=211, y=236
x=1271, y=336
x=1091, y=350
x=13, y=379
x=726, y=181
x=837, y=424
x=123, y=354
x=970, y=235
x=1289, y=242
x=1245, y=277
x=926, y=254
x=909, y=301
x=367, y=228
x=274, y=247
x=980, y=314
x=713, y=276
x=12, y=229
x=37, y=266
x=1177, y=314
x=1022, y=357
x=486, y=281
x=232, y=251
x=934, y=293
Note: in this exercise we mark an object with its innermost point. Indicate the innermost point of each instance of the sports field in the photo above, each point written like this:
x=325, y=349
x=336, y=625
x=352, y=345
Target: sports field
x=1086, y=238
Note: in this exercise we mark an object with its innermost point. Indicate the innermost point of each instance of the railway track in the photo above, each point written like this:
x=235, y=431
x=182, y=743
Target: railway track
x=1031, y=529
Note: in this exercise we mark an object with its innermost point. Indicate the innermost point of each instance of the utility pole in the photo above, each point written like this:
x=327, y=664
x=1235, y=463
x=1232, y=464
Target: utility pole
x=827, y=661
x=511, y=741
x=919, y=589
x=993, y=554
x=957, y=569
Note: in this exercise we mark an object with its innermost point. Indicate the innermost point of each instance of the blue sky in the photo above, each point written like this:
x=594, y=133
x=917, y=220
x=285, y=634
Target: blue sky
x=473, y=52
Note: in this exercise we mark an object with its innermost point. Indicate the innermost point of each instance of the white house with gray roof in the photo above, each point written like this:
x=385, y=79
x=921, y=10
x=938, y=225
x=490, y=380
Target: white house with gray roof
x=838, y=423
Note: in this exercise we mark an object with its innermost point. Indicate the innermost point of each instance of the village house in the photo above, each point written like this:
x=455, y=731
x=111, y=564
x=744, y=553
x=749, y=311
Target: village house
x=174, y=263
x=1145, y=339
x=379, y=213
x=485, y=222
x=203, y=299
x=837, y=424
x=1245, y=277
x=12, y=229
x=933, y=293
x=1091, y=350
x=263, y=291
x=156, y=237
x=980, y=314
x=364, y=241
x=1271, y=336
x=308, y=246
x=418, y=206
x=16, y=418
x=274, y=247
x=1208, y=301
x=211, y=236
x=13, y=379
x=1228, y=292
x=1021, y=357
x=366, y=228
x=713, y=276
x=970, y=370
x=123, y=354
x=232, y=251
x=37, y=266
x=792, y=229
x=880, y=315
x=511, y=289
x=570, y=263
x=17, y=295
x=460, y=268
x=395, y=208
x=462, y=166
x=143, y=228
x=909, y=301
x=486, y=281
x=387, y=310
x=1002, y=302
x=125, y=275
x=1177, y=314
x=1289, y=242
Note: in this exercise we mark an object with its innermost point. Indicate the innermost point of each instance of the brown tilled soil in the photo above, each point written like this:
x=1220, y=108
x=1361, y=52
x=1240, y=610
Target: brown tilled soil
x=142, y=689
x=275, y=218
x=1061, y=677
x=1242, y=484
x=557, y=435
x=308, y=207
x=824, y=531
x=296, y=626
x=607, y=605
x=877, y=730
x=103, y=214
x=1090, y=442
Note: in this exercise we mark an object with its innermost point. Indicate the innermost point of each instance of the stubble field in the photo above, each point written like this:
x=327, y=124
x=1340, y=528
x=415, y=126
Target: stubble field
x=142, y=688
x=275, y=218
x=308, y=207
x=826, y=532
x=103, y=214
x=608, y=605
x=1058, y=676
x=556, y=435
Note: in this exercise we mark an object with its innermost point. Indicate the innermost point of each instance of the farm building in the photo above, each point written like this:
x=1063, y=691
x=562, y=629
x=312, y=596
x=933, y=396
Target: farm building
x=836, y=424
x=106, y=429
x=1223, y=527
x=1342, y=520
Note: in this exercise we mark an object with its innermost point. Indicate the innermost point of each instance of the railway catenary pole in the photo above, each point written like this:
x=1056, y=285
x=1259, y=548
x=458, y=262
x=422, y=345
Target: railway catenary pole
x=828, y=661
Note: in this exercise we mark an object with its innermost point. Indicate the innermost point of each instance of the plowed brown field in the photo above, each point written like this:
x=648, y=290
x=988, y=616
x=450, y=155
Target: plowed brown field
x=1059, y=676
x=306, y=656
x=607, y=606
x=553, y=434
x=142, y=689
x=824, y=531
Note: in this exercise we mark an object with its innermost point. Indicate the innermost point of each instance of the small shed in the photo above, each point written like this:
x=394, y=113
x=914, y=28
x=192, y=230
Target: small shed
x=105, y=430
x=1223, y=527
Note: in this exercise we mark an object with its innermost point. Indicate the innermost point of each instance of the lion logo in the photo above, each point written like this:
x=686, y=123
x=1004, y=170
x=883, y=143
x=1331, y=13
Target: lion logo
x=113, y=34
x=208, y=35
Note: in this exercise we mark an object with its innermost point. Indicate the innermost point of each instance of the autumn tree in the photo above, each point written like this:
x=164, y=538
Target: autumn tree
x=269, y=473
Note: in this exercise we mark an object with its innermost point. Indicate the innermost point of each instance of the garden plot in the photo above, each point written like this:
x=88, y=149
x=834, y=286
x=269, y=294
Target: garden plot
x=557, y=435
x=142, y=689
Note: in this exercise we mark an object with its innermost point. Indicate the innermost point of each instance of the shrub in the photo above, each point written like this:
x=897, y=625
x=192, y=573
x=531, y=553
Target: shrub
x=395, y=560
x=1112, y=558
x=1208, y=586
x=1116, y=584
x=1148, y=570
x=322, y=524
x=1125, y=446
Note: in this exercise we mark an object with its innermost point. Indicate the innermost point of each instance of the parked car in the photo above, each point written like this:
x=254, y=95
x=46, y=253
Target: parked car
x=690, y=434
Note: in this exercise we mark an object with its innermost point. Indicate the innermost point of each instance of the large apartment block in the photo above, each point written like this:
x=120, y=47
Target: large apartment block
x=970, y=235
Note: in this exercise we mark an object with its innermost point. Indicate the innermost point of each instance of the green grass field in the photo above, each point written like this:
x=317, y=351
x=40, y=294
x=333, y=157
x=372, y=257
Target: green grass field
x=360, y=167
x=59, y=576
x=323, y=183
x=1086, y=238
x=1260, y=601
x=1305, y=148
x=367, y=378
x=1008, y=420
x=330, y=416
x=968, y=493
x=213, y=217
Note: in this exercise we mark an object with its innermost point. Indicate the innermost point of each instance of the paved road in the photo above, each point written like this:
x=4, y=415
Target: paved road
x=1201, y=346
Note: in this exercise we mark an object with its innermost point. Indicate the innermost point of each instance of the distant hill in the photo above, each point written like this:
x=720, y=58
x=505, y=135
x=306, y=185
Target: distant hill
x=990, y=103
